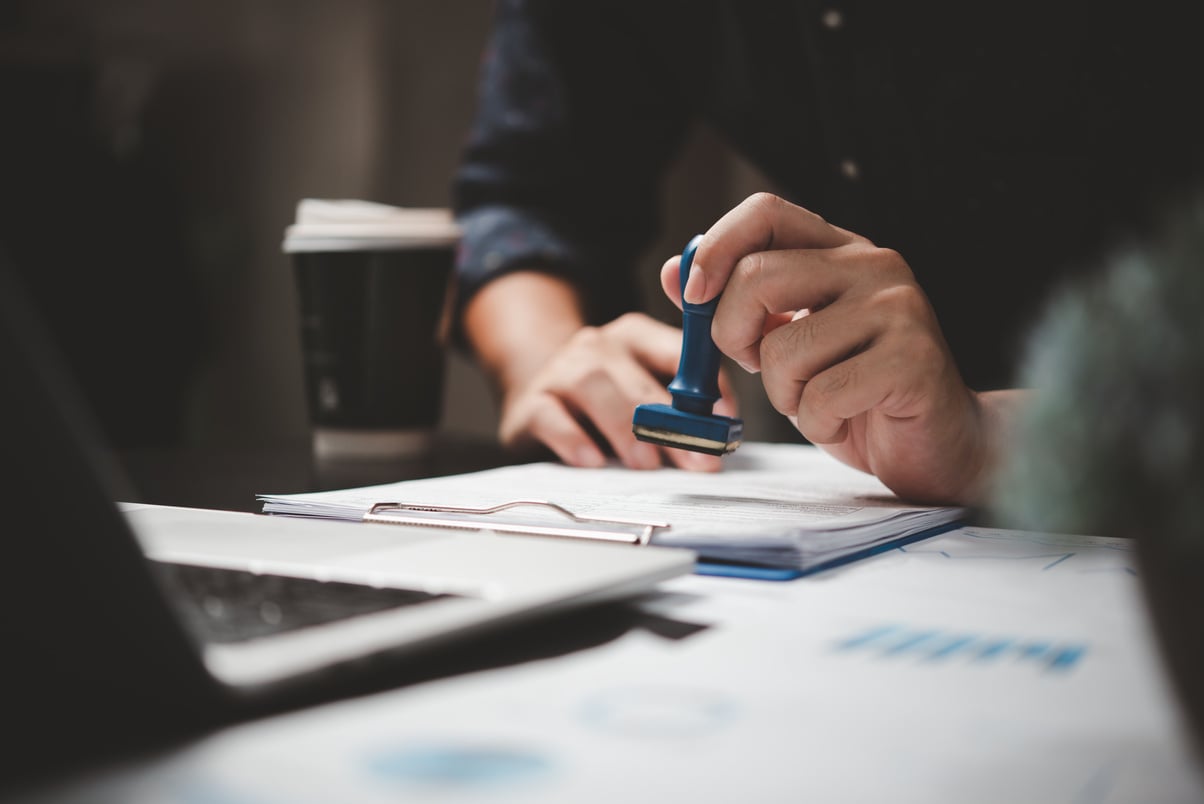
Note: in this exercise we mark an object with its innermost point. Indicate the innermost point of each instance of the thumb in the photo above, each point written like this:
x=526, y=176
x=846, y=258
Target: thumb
x=671, y=279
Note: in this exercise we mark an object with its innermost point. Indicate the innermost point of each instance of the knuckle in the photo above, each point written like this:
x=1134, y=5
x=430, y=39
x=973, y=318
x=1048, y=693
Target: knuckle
x=904, y=301
x=890, y=259
x=763, y=201
x=573, y=371
x=749, y=269
x=587, y=339
x=822, y=390
x=778, y=347
x=586, y=377
x=627, y=322
x=885, y=262
x=769, y=208
x=773, y=206
x=785, y=345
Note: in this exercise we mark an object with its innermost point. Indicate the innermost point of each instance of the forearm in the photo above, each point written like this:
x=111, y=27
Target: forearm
x=516, y=322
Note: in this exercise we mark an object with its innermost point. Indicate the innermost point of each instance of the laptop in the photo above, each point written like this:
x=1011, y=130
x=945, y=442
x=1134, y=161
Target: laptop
x=127, y=627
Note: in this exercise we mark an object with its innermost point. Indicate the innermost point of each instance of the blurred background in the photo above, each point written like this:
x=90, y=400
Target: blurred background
x=153, y=154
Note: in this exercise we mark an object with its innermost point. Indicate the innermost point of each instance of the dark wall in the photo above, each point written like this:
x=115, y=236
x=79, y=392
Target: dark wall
x=152, y=154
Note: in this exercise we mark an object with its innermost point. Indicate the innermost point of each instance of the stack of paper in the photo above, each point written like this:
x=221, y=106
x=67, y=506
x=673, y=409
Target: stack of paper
x=774, y=505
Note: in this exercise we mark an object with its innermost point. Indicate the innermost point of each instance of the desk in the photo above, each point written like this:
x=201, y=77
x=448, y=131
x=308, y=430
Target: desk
x=858, y=684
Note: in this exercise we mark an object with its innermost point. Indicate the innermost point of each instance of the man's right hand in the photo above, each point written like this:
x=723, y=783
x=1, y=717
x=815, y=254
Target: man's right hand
x=847, y=346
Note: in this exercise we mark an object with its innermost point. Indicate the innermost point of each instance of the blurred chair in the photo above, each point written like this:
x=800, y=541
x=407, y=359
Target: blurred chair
x=1113, y=444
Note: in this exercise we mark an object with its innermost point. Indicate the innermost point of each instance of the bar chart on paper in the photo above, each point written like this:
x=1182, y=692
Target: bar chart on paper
x=890, y=641
x=1046, y=566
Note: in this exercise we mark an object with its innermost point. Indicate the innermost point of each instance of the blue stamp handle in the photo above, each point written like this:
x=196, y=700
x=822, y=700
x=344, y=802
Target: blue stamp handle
x=695, y=389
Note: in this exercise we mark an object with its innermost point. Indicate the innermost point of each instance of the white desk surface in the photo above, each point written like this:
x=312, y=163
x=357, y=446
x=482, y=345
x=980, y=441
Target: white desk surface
x=978, y=666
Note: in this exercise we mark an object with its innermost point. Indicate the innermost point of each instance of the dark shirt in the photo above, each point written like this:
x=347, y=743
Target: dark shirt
x=998, y=148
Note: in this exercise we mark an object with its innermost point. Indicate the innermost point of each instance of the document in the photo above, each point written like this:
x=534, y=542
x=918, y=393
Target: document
x=982, y=666
x=774, y=505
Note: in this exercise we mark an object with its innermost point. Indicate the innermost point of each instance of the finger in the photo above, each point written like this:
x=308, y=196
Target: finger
x=654, y=344
x=767, y=289
x=727, y=407
x=607, y=399
x=693, y=461
x=900, y=377
x=775, y=320
x=657, y=346
x=794, y=353
x=551, y=423
x=762, y=222
x=669, y=282
x=672, y=288
x=836, y=395
x=671, y=279
x=728, y=404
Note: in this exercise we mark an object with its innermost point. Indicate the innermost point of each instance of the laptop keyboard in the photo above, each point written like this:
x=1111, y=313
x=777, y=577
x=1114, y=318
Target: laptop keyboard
x=227, y=605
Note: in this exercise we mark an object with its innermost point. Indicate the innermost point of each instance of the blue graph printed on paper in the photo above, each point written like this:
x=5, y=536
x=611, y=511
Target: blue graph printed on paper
x=451, y=766
x=936, y=645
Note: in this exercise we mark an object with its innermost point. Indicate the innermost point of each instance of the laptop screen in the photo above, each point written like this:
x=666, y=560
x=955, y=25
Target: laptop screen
x=95, y=662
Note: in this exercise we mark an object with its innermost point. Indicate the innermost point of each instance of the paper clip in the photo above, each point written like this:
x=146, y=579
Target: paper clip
x=623, y=531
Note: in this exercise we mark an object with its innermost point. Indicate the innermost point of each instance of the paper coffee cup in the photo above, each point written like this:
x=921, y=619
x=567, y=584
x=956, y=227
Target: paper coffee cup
x=372, y=284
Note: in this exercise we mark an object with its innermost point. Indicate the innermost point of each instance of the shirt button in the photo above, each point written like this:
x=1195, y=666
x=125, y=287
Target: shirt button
x=832, y=19
x=850, y=169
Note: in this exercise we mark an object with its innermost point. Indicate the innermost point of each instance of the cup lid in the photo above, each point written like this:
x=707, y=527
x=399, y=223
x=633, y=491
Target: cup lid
x=352, y=225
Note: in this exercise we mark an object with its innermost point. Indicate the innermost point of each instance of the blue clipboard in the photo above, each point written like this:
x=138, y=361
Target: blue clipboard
x=767, y=573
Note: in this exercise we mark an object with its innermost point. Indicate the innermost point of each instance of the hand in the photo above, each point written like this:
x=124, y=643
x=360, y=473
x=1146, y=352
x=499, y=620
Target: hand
x=559, y=379
x=595, y=380
x=847, y=344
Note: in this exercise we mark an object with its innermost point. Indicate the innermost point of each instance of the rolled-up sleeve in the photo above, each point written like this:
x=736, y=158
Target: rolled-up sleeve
x=575, y=124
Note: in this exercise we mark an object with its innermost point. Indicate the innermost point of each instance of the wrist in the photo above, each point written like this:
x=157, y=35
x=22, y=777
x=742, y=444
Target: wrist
x=515, y=324
x=997, y=413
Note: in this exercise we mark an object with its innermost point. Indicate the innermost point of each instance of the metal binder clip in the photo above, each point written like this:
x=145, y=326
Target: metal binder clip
x=624, y=531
